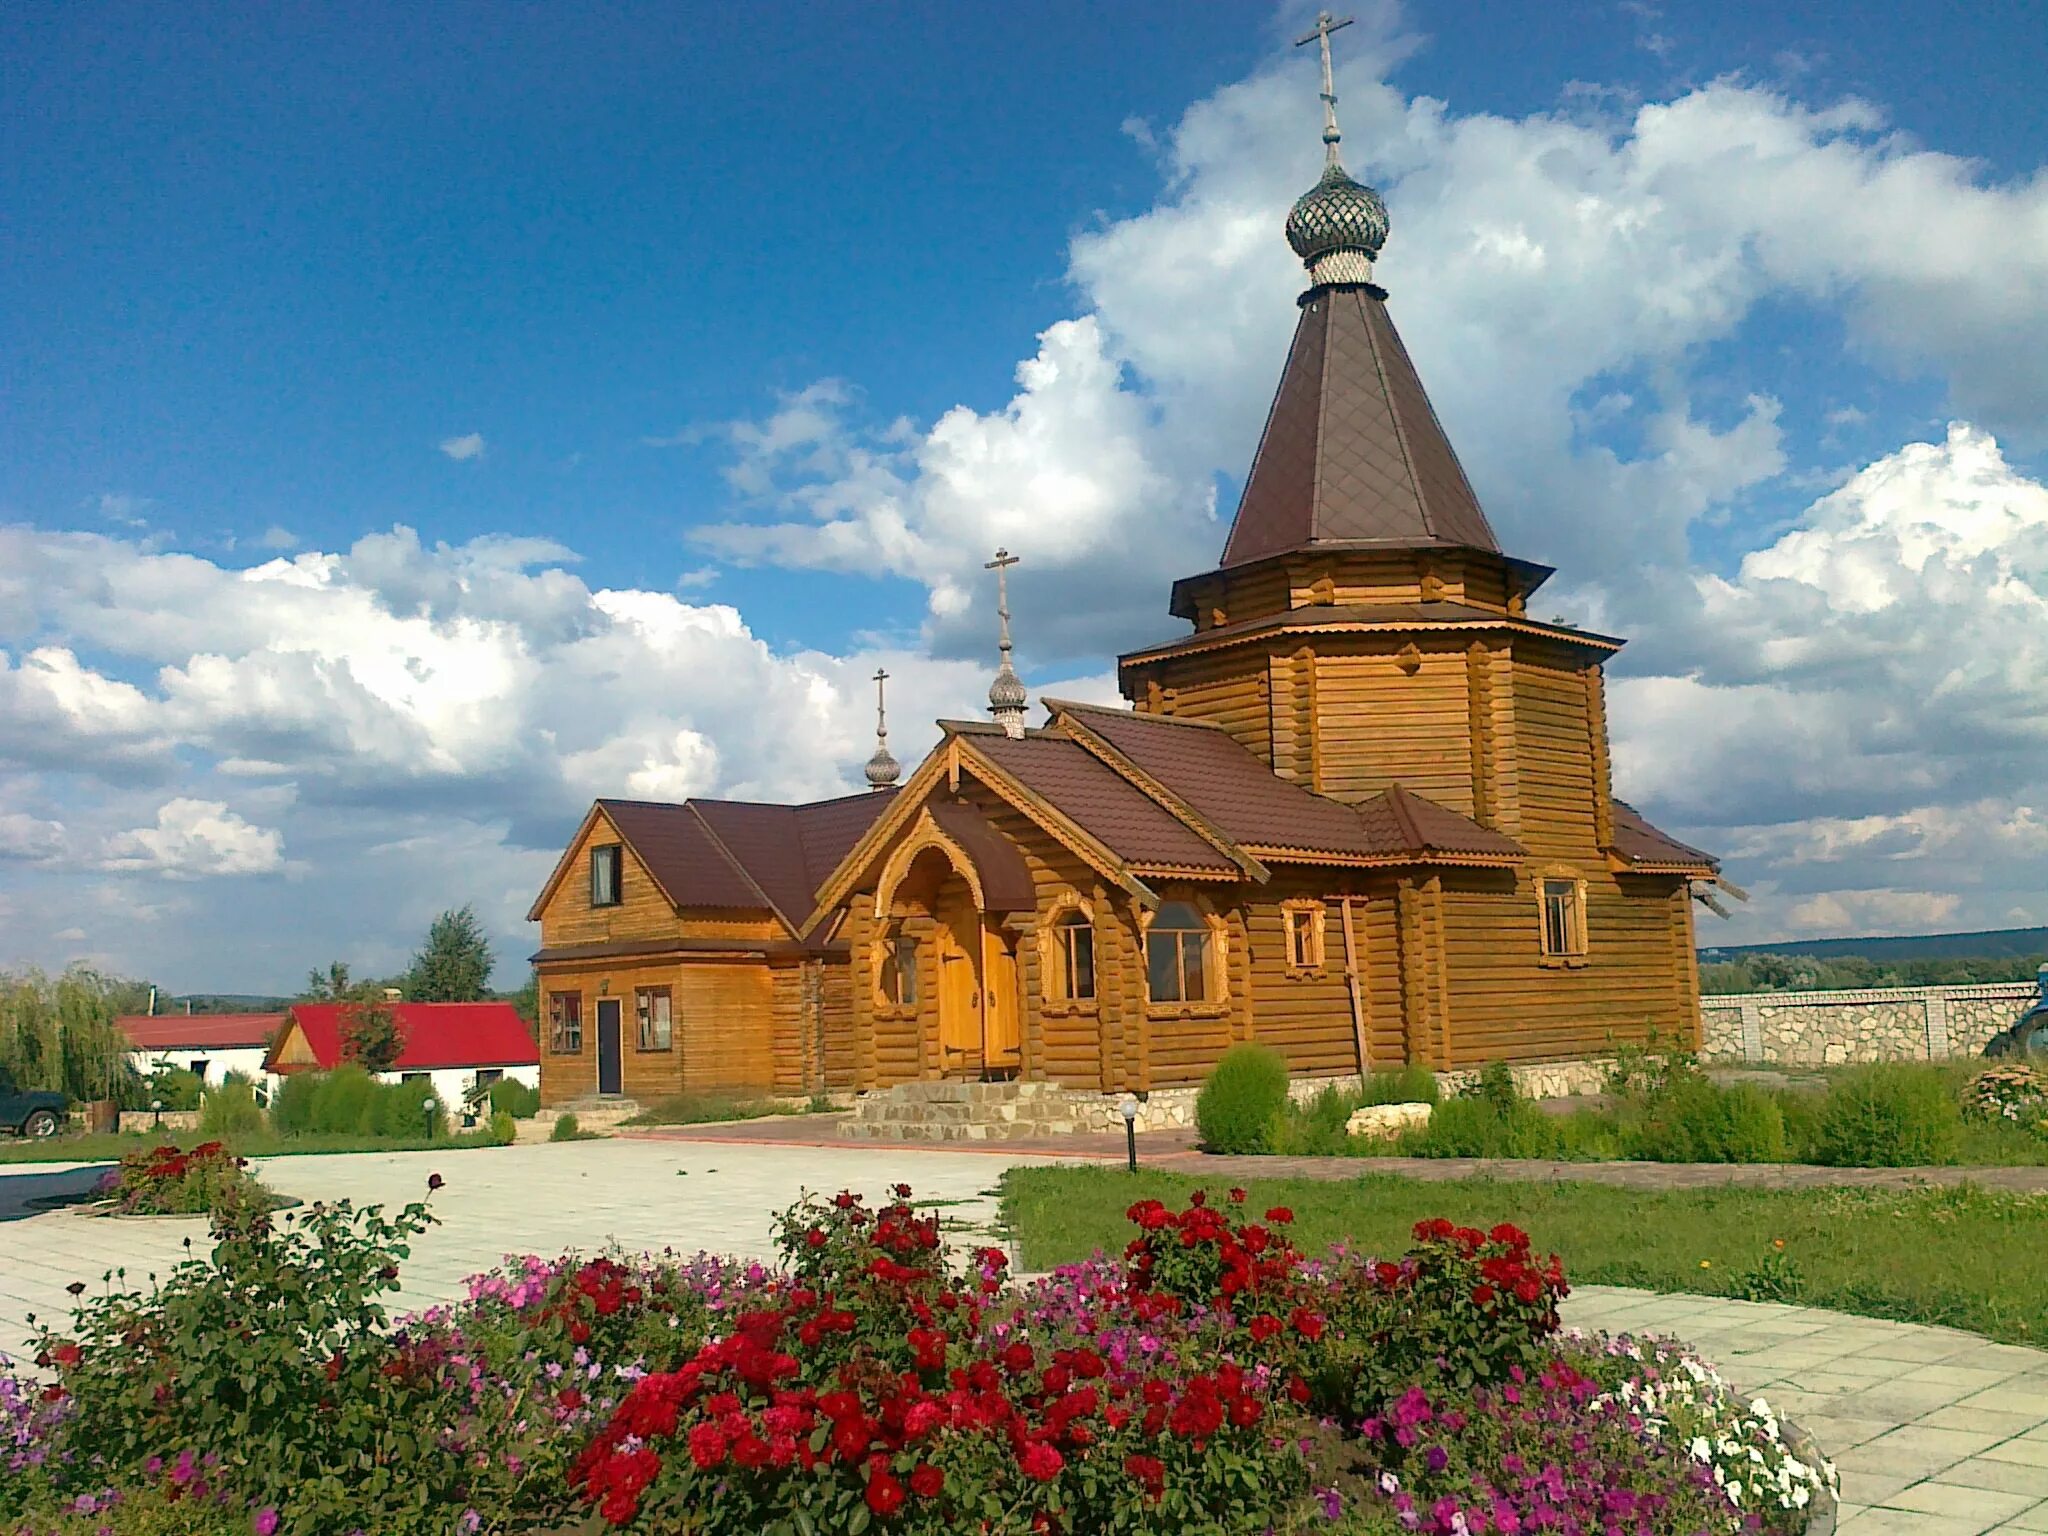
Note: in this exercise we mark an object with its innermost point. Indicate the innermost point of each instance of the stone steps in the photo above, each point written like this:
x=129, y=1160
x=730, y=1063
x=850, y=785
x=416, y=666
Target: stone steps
x=962, y=1111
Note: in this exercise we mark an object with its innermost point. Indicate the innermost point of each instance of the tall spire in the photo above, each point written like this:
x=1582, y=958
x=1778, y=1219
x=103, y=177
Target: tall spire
x=1006, y=694
x=1339, y=225
x=882, y=769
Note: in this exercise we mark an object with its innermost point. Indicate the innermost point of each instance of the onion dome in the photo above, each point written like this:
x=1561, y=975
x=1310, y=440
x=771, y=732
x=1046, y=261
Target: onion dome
x=1337, y=228
x=882, y=770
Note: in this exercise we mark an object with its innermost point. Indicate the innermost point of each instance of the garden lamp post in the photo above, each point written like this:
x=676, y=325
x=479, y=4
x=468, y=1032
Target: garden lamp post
x=156, y=1107
x=427, y=1111
x=1127, y=1106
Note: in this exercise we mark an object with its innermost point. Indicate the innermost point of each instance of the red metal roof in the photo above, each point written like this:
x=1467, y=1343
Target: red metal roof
x=437, y=1035
x=199, y=1031
x=1642, y=844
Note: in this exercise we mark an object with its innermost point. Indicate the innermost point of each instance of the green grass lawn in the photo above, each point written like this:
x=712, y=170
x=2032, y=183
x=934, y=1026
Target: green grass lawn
x=1966, y=1258
x=94, y=1149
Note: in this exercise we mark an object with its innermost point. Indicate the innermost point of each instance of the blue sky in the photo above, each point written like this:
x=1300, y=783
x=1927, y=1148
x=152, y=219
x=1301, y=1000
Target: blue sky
x=263, y=263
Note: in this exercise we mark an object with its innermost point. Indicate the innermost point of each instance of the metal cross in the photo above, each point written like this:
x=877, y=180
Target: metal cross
x=1001, y=566
x=1325, y=25
x=881, y=706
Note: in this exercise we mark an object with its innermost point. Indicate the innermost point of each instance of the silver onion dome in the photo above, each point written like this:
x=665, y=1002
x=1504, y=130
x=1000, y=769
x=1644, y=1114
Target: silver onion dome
x=1337, y=228
x=882, y=769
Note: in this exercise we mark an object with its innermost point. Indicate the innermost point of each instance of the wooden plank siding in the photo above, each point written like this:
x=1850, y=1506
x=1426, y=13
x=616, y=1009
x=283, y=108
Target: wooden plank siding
x=1381, y=723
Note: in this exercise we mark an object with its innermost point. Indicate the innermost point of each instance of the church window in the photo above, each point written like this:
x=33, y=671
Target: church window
x=1305, y=936
x=653, y=1009
x=565, y=1023
x=606, y=884
x=1073, y=957
x=1564, y=918
x=899, y=969
x=1177, y=955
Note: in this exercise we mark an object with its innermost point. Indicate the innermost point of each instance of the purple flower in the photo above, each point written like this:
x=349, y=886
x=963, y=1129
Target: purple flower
x=266, y=1522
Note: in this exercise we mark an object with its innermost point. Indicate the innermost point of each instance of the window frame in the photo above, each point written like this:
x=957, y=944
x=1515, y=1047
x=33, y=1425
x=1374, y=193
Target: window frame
x=1564, y=942
x=644, y=1020
x=1307, y=920
x=1206, y=960
x=565, y=1023
x=1070, y=926
x=897, y=957
x=616, y=893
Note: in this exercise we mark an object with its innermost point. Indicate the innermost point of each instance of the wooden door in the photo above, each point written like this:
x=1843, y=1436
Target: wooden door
x=609, y=1078
x=1004, y=1048
x=959, y=948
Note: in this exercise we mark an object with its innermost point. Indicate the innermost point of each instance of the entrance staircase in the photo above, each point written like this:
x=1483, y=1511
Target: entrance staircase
x=963, y=1112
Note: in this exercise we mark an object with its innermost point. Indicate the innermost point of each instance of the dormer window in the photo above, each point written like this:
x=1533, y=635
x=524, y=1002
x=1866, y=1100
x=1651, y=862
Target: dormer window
x=607, y=880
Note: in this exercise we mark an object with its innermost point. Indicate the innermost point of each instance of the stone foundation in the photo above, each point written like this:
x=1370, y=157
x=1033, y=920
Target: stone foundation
x=1826, y=1029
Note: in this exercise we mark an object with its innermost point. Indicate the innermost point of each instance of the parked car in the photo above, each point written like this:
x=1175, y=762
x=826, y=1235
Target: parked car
x=30, y=1113
x=2029, y=1037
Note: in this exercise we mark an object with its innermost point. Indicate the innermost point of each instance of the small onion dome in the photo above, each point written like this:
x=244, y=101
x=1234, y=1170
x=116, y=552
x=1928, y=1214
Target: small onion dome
x=1337, y=228
x=882, y=769
x=1007, y=691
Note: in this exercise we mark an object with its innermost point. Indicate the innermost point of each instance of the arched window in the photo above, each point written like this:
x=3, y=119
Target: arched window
x=1072, y=973
x=1177, y=955
x=896, y=978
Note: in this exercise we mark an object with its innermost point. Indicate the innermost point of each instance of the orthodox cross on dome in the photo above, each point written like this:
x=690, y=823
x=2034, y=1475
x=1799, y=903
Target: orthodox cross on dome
x=1006, y=694
x=882, y=769
x=1325, y=25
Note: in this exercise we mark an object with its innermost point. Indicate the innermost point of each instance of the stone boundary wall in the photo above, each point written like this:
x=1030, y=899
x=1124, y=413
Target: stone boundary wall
x=1826, y=1029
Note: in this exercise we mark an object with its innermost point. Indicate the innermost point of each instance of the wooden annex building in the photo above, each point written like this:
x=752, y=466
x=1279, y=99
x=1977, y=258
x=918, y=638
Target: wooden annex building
x=1360, y=811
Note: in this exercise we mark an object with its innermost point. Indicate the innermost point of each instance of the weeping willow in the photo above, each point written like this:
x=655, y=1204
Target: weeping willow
x=59, y=1033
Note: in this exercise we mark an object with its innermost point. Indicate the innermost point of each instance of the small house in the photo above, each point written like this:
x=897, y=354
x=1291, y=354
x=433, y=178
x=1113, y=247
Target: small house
x=454, y=1046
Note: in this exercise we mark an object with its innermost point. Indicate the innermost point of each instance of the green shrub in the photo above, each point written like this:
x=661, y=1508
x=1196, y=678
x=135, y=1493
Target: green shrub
x=1316, y=1128
x=1693, y=1121
x=1480, y=1127
x=504, y=1128
x=1891, y=1115
x=175, y=1088
x=293, y=1108
x=408, y=1111
x=1410, y=1084
x=1801, y=1113
x=343, y=1101
x=509, y=1096
x=566, y=1129
x=230, y=1112
x=1241, y=1105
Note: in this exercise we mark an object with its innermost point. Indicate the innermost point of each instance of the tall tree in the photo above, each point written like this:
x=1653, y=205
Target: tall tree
x=455, y=965
x=370, y=1036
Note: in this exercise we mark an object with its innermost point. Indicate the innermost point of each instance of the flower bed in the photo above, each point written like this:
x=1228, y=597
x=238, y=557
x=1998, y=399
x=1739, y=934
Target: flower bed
x=171, y=1181
x=1210, y=1381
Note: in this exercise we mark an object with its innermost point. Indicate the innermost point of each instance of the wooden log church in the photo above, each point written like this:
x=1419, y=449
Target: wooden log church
x=1360, y=811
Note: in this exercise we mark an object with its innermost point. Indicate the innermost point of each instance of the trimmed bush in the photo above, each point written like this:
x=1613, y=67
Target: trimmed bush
x=230, y=1110
x=504, y=1128
x=1891, y=1115
x=407, y=1111
x=509, y=1096
x=175, y=1088
x=1410, y=1084
x=1482, y=1127
x=1693, y=1121
x=566, y=1129
x=1241, y=1105
x=293, y=1108
x=342, y=1105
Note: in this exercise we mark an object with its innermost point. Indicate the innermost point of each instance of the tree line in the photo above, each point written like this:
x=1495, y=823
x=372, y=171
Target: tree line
x=1850, y=973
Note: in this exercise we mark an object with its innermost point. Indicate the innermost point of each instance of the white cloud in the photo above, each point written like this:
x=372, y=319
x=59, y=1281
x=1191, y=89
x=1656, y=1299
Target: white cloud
x=194, y=840
x=468, y=446
x=120, y=507
x=275, y=537
x=28, y=838
x=1873, y=912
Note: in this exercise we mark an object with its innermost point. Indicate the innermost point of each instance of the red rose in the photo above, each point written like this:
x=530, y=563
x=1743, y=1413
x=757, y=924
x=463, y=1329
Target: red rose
x=707, y=1446
x=1280, y=1216
x=885, y=1494
x=1237, y=1197
x=1017, y=1358
x=1040, y=1462
x=1308, y=1324
x=1148, y=1472
x=927, y=1482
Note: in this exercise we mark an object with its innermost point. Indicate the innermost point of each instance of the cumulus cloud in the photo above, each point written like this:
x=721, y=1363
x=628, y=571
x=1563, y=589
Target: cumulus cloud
x=28, y=838
x=195, y=840
x=468, y=446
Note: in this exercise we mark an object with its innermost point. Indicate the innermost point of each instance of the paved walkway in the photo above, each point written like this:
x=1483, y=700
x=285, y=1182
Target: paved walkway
x=1936, y=1432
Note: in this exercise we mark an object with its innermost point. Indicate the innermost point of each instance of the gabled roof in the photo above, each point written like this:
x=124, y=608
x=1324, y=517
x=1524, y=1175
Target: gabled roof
x=1222, y=781
x=1352, y=455
x=199, y=1031
x=1123, y=818
x=740, y=854
x=1006, y=883
x=437, y=1035
x=1642, y=846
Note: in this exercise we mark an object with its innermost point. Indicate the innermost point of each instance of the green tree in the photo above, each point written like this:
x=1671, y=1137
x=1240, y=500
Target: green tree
x=333, y=985
x=455, y=965
x=370, y=1036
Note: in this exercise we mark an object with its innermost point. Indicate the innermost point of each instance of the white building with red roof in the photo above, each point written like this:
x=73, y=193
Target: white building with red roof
x=209, y=1045
x=454, y=1046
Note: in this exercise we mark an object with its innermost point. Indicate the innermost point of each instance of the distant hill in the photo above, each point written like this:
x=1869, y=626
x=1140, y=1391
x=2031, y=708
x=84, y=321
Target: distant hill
x=1998, y=943
x=224, y=1002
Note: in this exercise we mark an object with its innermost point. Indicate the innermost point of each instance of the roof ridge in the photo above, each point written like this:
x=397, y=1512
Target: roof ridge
x=1125, y=713
x=1379, y=364
x=1397, y=798
x=739, y=868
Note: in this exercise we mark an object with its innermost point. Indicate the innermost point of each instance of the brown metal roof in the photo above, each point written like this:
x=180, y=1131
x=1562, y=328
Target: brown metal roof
x=1352, y=453
x=626, y=949
x=1112, y=810
x=1006, y=884
x=1244, y=799
x=1371, y=616
x=1640, y=843
x=683, y=857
